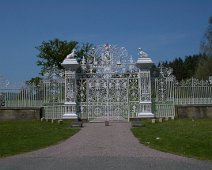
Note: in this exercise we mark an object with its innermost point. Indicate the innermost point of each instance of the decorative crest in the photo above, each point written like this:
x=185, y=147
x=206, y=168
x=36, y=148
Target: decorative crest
x=108, y=59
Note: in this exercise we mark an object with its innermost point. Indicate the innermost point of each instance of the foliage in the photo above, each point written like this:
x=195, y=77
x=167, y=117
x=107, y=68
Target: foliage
x=184, y=69
x=178, y=69
x=85, y=50
x=183, y=137
x=206, y=44
x=23, y=136
x=191, y=64
x=154, y=70
x=53, y=52
x=36, y=81
x=204, y=69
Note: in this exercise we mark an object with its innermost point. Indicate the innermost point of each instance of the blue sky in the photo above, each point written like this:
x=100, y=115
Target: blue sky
x=165, y=29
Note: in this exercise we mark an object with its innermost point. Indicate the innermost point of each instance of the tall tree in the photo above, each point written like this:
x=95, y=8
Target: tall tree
x=178, y=69
x=204, y=69
x=206, y=44
x=190, y=65
x=53, y=52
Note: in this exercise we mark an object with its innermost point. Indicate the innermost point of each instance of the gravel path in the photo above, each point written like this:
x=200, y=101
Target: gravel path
x=101, y=147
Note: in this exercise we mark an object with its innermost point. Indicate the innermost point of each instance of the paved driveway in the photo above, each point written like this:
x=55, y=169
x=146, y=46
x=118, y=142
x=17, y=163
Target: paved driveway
x=101, y=147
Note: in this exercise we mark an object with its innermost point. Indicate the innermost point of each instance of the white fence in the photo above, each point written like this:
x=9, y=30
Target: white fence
x=164, y=110
x=50, y=95
x=33, y=95
x=168, y=93
x=198, y=94
x=54, y=111
x=20, y=98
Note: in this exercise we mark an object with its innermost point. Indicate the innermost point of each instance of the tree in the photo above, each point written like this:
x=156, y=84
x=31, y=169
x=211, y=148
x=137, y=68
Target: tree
x=178, y=69
x=53, y=52
x=36, y=81
x=190, y=65
x=206, y=44
x=204, y=69
x=85, y=49
x=155, y=71
x=184, y=68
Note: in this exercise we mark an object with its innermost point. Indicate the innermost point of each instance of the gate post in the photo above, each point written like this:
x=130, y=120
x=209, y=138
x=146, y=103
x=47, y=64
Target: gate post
x=144, y=64
x=70, y=64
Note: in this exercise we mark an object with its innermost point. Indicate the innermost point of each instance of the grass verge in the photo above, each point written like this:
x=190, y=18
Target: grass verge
x=23, y=136
x=191, y=138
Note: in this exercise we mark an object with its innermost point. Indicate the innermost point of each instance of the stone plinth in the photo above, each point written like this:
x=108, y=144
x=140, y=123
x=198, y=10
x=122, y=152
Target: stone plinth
x=145, y=115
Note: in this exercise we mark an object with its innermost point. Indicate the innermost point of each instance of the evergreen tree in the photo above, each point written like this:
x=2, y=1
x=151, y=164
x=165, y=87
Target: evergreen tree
x=184, y=68
x=178, y=69
x=191, y=65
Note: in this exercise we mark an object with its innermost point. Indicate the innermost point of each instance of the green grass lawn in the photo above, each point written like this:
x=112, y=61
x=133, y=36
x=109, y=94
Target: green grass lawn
x=183, y=137
x=23, y=136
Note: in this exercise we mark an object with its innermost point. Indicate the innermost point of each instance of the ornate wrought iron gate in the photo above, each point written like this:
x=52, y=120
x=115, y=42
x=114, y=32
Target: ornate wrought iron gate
x=110, y=86
x=103, y=98
x=103, y=85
